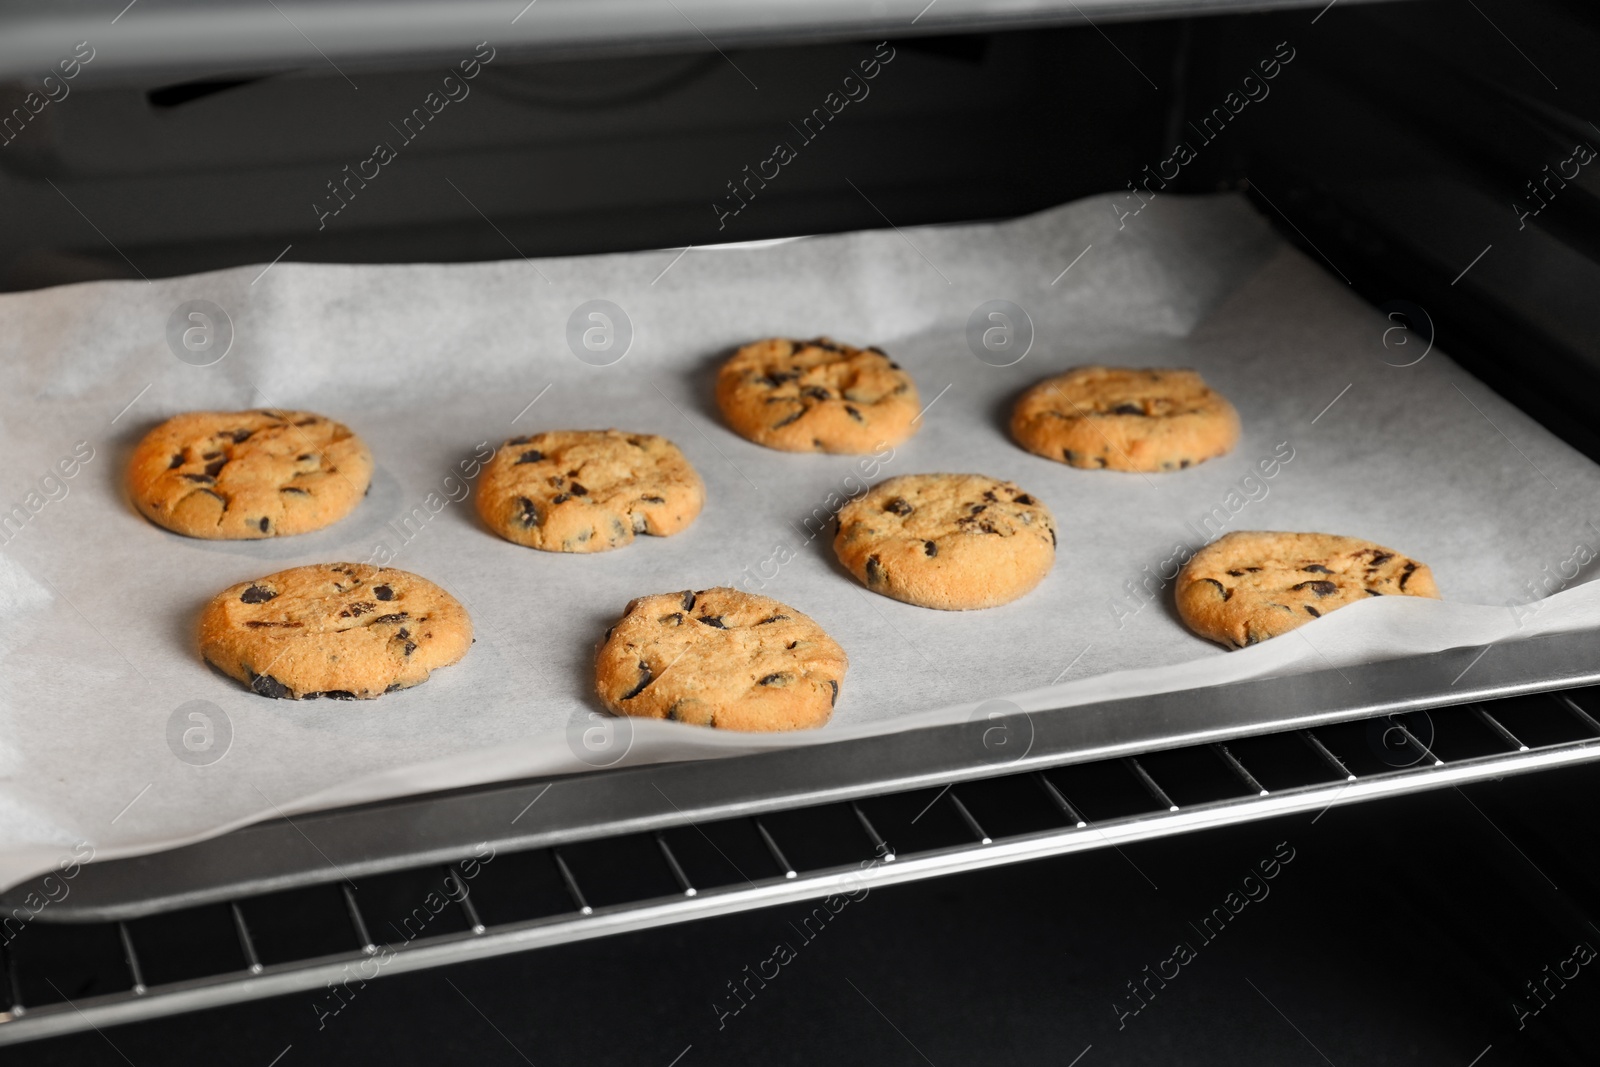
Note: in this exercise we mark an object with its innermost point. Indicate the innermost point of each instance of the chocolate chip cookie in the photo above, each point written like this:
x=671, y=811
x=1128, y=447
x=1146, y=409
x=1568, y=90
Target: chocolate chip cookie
x=722, y=658
x=1114, y=418
x=817, y=396
x=346, y=631
x=951, y=541
x=237, y=475
x=1250, y=585
x=588, y=490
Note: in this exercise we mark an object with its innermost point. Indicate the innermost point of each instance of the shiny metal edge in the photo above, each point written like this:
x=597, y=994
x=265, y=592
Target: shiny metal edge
x=240, y=987
x=443, y=828
x=171, y=39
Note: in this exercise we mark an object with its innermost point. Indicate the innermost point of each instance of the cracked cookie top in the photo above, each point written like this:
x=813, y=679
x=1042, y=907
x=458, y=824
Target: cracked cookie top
x=817, y=396
x=719, y=657
x=1116, y=418
x=1250, y=585
x=588, y=490
x=345, y=631
x=238, y=475
x=951, y=541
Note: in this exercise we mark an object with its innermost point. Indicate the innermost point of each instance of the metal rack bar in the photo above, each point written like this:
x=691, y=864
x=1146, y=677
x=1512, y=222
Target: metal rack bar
x=1577, y=710
x=1415, y=742
x=972, y=824
x=677, y=868
x=1149, y=783
x=468, y=908
x=247, y=944
x=1239, y=769
x=879, y=845
x=1328, y=757
x=357, y=922
x=1494, y=724
x=134, y=970
x=1061, y=802
x=571, y=883
x=778, y=857
x=13, y=987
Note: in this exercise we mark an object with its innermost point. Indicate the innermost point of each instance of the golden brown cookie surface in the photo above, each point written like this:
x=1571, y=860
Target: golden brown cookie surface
x=951, y=541
x=1115, y=418
x=588, y=490
x=817, y=396
x=1250, y=585
x=238, y=475
x=346, y=631
x=722, y=658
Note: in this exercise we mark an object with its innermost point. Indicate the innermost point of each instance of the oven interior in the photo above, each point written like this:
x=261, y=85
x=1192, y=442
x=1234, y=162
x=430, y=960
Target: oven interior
x=1415, y=149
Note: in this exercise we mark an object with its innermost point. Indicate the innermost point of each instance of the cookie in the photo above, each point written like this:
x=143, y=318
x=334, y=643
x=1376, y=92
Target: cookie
x=951, y=541
x=346, y=631
x=1250, y=585
x=237, y=475
x=588, y=490
x=722, y=658
x=1118, y=419
x=817, y=396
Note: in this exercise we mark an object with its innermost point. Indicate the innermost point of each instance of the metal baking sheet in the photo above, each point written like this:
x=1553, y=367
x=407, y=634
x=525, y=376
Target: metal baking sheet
x=1346, y=430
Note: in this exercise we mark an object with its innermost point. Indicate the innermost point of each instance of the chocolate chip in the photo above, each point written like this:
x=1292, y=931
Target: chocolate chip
x=773, y=679
x=978, y=509
x=312, y=421
x=675, y=618
x=258, y=624
x=1127, y=409
x=1052, y=537
x=578, y=490
x=1405, y=574
x=268, y=686
x=853, y=413
x=394, y=687
x=1025, y=500
x=561, y=498
x=898, y=506
x=771, y=618
x=874, y=571
x=1313, y=612
x=1316, y=568
x=215, y=466
x=357, y=609
x=410, y=647
x=529, y=515
x=1380, y=557
x=688, y=600
x=1236, y=573
x=1373, y=592
x=404, y=633
x=383, y=592
x=712, y=620
x=264, y=523
x=653, y=499
x=531, y=456
x=332, y=694
x=645, y=678
x=1320, y=588
x=834, y=699
x=297, y=491
x=930, y=548
x=519, y=440
x=257, y=594
x=1184, y=464
x=305, y=457
x=241, y=436
x=816, y=392
x=203, y=479
x=777, y=378
x=177, y=461
x=1069, y=455
x=396, y=617
x=1224, y=590
x=789, y=419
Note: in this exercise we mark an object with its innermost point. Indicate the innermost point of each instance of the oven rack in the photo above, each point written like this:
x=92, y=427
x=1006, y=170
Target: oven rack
x=63, y=977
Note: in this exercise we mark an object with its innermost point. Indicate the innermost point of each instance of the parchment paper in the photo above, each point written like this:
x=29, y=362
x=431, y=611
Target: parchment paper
x=97, y=654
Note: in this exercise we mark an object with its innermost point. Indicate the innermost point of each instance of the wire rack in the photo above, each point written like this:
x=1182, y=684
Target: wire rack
x=60, y=977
